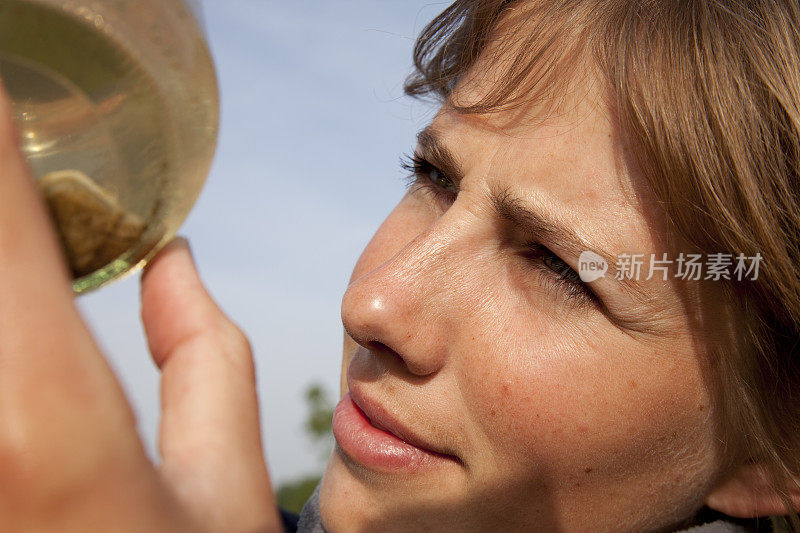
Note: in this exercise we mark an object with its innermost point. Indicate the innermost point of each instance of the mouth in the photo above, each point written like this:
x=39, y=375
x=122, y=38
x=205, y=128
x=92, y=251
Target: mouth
x=370, y=436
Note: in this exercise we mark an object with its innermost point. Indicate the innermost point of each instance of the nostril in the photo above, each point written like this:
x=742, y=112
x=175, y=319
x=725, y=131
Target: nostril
x=390, y=357
x=380, y=348
x=387, y=358
x=383, y=316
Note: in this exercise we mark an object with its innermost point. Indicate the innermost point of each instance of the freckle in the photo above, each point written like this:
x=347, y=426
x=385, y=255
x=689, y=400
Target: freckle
x=505, y=388
x=702, y=407
x=587, y=470
x=633, y=384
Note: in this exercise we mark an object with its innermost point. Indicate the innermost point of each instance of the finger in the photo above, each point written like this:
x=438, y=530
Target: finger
x=49, y=362
x=210, y=440
x=64, y=421
x=34, y=277
x=26, y=235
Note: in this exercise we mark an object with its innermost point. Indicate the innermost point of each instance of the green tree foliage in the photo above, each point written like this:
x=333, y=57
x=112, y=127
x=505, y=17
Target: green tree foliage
x=320, y=418
x=293, y=495
x=318, y=426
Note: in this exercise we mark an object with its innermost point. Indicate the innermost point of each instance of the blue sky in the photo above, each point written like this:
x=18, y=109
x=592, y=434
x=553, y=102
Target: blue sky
x=313, y=125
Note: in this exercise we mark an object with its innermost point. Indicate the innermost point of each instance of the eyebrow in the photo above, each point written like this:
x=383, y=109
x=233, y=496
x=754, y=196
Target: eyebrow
x=513, y=209
x=437, y=152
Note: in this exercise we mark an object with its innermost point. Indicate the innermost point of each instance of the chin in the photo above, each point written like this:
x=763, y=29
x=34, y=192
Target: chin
x=356, y=499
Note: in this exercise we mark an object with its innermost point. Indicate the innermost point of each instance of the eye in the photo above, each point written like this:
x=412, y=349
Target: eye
x=559, y=275
x=424, y=175
x=553, y=273
x=557, y=265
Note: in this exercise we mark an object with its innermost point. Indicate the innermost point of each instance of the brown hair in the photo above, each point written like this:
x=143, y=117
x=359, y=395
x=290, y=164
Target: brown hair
x=708, y=92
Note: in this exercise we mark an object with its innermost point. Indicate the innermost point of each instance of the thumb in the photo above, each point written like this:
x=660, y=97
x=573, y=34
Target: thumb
x=209, y=439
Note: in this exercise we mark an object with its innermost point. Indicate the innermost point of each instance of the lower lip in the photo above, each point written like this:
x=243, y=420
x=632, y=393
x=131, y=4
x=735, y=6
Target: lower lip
x=374, y=448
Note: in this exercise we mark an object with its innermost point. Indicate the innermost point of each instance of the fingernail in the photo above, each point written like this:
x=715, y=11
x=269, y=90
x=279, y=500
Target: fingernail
x=175, y=243
x=180, y=240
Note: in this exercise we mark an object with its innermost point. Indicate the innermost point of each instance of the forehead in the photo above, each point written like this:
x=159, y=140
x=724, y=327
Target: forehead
x=567, y=159
x=559, y=144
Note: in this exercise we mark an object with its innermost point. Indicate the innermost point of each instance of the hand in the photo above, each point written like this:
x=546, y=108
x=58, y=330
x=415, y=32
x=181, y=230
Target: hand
x=70, y=456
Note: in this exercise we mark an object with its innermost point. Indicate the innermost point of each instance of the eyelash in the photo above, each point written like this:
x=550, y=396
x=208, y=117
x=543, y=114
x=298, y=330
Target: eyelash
x=557, y=276
x=418, y=178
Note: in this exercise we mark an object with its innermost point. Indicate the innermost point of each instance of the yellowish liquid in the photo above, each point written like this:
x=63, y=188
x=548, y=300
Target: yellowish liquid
x=84, y=102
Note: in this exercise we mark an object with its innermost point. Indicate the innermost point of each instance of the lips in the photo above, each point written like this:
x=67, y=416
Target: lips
x=370, y=436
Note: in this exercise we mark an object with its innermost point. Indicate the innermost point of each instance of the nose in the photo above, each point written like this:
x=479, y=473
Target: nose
x=406, y=305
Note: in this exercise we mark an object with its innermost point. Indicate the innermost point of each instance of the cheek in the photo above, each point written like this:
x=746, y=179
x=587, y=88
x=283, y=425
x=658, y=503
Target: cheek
x=583, y=400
